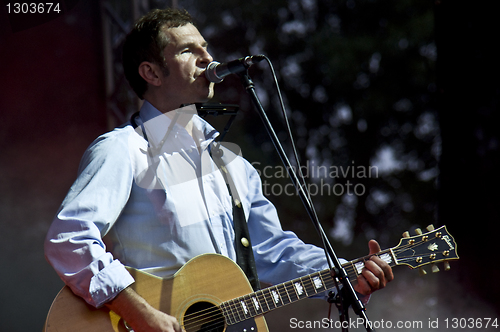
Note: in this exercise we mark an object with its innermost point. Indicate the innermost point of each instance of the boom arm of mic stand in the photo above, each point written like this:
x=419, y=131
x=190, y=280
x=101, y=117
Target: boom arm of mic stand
x=340, y=273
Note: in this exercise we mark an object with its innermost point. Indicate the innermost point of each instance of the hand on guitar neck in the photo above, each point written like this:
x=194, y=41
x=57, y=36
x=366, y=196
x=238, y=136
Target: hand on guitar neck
x=376, y=273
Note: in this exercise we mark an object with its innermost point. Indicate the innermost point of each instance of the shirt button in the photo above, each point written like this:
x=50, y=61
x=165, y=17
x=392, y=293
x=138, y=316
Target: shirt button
x=245, y=242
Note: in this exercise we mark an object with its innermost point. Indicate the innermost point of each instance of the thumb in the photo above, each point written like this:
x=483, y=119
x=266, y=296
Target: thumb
x=373, y=246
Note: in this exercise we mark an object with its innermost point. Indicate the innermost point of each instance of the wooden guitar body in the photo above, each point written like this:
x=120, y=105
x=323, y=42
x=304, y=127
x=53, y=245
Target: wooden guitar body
x=196, y=287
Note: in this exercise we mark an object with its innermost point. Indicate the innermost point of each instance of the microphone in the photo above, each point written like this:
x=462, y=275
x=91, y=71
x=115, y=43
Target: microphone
x=215, y=71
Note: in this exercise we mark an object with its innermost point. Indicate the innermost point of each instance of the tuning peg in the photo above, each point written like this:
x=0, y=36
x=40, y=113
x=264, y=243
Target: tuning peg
x=421, y=271
x=430, y=228
x=406, y=234
x=446, y=266
x=418, y=231
x=434, y=268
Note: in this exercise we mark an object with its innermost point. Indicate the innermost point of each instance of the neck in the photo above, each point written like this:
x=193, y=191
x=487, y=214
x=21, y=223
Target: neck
x=161, y=105
x=183, y=117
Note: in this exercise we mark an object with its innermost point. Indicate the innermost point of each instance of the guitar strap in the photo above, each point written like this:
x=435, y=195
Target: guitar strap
x=243, y=247
x=242, y=244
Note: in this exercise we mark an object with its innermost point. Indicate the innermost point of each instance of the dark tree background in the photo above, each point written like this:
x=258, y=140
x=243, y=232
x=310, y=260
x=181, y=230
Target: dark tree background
x=359, y=82
x=408, y=87
x=469, y=98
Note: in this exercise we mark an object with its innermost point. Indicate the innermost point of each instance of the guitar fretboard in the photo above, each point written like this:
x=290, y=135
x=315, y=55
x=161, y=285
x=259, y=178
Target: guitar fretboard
x=262, y=301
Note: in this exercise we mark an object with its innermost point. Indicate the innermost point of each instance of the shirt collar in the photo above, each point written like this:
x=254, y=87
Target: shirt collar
x=161, y=127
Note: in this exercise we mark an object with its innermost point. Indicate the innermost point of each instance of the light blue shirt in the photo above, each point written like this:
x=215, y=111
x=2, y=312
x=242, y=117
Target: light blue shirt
x=152, y=198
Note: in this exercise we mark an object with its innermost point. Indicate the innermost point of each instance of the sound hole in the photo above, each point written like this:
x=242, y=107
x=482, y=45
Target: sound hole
x=203, y=317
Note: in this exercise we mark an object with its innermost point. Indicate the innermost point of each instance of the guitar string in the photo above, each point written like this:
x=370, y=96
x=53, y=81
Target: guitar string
x=230, y=305
x=213, y=310
x=205, y=326
x=233, y=305
x=261, y=298
x=349, y=266
x=209, y=315
x=282, y=291
x=208, y=321
x=396, y=251
x=209, y=324
x=400, y=249
x=286, y=286
x=353, y=271
x=289, y=286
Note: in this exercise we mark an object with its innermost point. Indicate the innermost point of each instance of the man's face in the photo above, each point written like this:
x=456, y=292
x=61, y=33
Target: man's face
x=186, y=58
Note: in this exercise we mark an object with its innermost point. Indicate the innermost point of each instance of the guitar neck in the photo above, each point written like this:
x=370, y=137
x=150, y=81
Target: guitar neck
x=263, y=301
x=435, y=246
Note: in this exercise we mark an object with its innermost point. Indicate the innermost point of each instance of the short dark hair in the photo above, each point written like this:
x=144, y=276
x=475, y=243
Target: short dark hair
x=146, y=43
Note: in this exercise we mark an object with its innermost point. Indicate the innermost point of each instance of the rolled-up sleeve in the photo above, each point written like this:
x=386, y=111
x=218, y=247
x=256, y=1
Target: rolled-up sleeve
x=74, y=245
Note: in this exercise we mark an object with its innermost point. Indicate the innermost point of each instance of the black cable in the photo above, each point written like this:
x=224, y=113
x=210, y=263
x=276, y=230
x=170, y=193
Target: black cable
x=297, y=159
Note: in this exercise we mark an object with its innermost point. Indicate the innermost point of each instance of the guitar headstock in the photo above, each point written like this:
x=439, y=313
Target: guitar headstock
x=437, y=245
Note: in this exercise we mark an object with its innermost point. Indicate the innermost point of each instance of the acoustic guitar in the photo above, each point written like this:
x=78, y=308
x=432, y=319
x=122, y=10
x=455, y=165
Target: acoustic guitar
x=211, y=292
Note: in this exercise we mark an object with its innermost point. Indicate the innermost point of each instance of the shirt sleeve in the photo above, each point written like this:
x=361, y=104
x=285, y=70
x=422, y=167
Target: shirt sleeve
x=280, y=255
x=74, y=245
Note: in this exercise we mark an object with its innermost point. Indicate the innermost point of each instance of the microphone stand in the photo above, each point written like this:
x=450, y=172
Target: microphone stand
x=338, y=271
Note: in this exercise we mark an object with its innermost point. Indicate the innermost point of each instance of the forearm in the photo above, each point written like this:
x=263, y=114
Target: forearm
x=130, y=306
x=139, y=314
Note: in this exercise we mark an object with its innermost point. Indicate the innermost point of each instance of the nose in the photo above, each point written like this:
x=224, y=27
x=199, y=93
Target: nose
x=205, y=58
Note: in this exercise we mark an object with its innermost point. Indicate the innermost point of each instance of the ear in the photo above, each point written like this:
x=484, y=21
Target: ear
x=150, y=72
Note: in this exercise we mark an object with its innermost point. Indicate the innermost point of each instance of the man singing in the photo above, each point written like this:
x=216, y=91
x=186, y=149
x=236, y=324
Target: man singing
x=149, y=194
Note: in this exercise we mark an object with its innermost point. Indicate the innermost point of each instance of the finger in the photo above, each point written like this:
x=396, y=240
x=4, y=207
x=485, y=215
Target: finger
x=177, y=327
x=386, y=268
x=362, y=286
x=374, y=275
x=374, y=247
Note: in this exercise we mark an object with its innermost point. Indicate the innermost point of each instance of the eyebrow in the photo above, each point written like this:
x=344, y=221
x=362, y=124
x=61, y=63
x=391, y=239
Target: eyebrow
x=193, y=44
